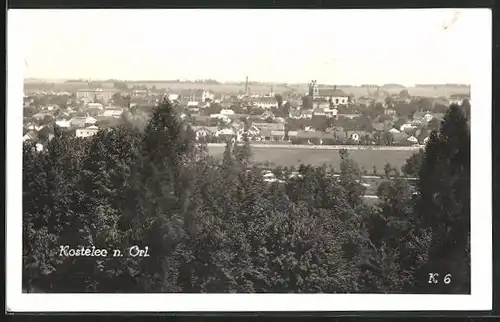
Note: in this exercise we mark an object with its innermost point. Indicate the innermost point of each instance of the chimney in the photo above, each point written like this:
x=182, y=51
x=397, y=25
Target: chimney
x=246, y=85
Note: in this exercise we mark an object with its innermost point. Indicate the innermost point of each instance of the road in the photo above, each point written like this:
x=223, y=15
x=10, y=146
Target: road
x=327, y=147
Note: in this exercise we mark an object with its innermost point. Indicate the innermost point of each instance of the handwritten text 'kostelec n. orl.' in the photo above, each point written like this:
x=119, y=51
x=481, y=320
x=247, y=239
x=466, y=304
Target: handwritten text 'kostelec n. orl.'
x=92, y=251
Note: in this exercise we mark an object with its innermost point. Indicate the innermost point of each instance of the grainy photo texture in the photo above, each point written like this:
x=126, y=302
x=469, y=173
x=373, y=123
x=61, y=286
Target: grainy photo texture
x=200, y=152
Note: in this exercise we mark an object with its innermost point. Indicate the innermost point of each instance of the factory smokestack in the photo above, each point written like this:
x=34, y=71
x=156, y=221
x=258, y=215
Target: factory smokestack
x=246, y=85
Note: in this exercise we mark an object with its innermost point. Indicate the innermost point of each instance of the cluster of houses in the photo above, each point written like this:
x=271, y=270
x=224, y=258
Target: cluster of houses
x=83, y=123
x=89, y=109
x=238, y=127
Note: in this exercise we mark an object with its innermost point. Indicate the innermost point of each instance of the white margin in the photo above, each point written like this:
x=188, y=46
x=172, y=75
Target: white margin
x=481, y=220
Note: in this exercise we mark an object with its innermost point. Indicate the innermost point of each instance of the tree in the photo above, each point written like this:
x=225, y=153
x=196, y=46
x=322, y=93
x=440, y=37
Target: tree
x=439, y=108
x=444, y=203
x=412, y=166
x=466, y=108
x=387, y=138
x=364, y=123
x=400, y=122
x=279, y=99
x=378, y=109
x=434, y=124
x=425, y=104
x=307, y=102
x=404, y=94
x=120, y=85
x=387, y=170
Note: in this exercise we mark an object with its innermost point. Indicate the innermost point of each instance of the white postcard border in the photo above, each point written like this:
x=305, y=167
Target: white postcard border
x=481, y=220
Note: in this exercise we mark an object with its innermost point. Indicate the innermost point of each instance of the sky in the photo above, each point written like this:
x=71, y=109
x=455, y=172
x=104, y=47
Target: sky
x=293, y=46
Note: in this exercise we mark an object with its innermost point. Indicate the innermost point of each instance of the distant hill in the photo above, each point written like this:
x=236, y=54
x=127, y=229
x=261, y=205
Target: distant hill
x=430, y=90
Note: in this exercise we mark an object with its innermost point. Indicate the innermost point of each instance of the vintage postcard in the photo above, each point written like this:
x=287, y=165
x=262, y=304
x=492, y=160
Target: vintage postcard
x=249, y=160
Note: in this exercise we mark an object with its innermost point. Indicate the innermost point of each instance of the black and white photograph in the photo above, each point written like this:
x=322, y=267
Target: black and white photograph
x=248, y=156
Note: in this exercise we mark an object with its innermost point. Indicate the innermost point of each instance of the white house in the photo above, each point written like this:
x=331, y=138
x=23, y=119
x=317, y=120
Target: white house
x=87, y=132
x=173, y=97
x=227, y=112
x=394, y=131
x=355, y=137
x=90, y=120
x=207, y=95
x=63, y=123
x=330, y=112
x=306, y=114
x=319, y=111
x=412, y=140
x=457, y=99
x=266, y=103
x=407, y=126
x=222, y=117
x=112, y=113
x=203, y=131
x=31, y=135
x=95, y=105
x=427, y=117
x=253, y=130
x=226, y=131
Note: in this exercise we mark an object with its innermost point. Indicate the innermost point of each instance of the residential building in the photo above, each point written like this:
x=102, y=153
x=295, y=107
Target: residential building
x=95, y=105
x=267, y=115
x=389, y=111
x=30, y=136
x=94, y=95
x=270, y=126
x=113, y=113
x=356, y=136
x=226, y=112
x=86, y=132
x=173, y=97
x=228, y=132
x=349, y=116
x=78, y=121
x=407, y=126
x=221, y=117
x=321, y=104
x=458, y=98
x=90, y=120
x=207, y=95
x=295, y=114
x=306, y=114
x=202, y=132
x=266, y=103
x=41, y=115
x=278, y=135
x=400, y=137
x=412, y=140
x=63, y=123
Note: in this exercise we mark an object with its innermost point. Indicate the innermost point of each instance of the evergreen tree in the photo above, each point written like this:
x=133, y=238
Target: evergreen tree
x=444, y=204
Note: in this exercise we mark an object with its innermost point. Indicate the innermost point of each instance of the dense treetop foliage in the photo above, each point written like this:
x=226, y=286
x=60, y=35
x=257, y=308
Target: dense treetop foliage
x=216, y=226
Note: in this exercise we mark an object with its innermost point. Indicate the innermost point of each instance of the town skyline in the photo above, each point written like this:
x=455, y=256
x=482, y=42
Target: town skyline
x=230, y=82
x=429, y=46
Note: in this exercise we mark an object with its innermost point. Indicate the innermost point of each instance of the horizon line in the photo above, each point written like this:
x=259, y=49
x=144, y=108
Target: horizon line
x=234, y=82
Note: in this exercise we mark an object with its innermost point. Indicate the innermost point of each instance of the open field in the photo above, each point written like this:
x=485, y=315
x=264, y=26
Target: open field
x=254, y=88
x=295, y=156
